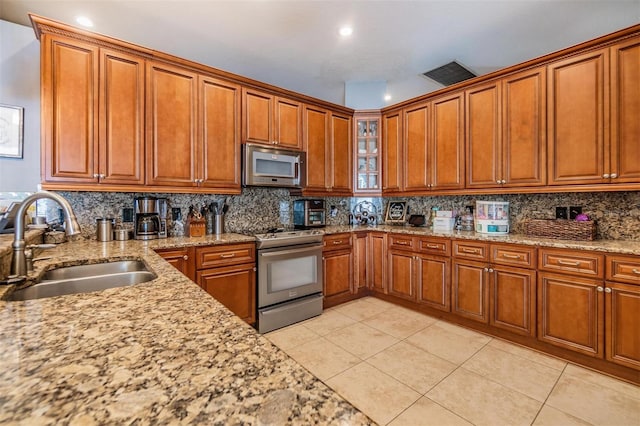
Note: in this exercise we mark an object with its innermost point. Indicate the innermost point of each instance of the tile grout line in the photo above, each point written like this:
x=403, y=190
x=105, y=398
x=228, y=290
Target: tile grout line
x=549, y=394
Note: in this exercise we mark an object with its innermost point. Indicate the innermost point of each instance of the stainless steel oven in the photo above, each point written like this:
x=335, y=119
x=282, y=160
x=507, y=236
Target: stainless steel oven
x=289, y=278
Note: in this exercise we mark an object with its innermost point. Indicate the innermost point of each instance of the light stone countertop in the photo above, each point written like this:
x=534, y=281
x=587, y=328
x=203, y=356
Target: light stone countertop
x=161, y=352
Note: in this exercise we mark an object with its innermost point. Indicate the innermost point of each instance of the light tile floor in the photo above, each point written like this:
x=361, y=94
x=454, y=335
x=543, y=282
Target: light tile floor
x=401, y=367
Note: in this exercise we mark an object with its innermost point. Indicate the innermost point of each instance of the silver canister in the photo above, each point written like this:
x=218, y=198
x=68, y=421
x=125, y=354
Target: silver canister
x=104, y=231
x=219, y=224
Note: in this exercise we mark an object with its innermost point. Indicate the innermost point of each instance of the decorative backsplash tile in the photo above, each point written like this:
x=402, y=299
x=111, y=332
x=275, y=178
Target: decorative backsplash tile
x=258, y=209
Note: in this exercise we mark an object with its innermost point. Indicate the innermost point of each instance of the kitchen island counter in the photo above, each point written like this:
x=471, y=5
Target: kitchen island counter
x=160, y=352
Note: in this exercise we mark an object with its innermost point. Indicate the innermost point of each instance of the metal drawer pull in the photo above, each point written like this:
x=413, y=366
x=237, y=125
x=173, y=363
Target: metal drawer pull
x=511, y=256
x=434, y=246
x=337, y=242
x=227, y=256
x=607, y=290
x=564, y=262
x=472, y=251
x=402, y=243
x=185, y=257
x=600, y=289
x=636, y=271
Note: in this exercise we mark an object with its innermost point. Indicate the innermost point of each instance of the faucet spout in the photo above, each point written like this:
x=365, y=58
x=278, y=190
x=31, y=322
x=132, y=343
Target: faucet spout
x=19, y=263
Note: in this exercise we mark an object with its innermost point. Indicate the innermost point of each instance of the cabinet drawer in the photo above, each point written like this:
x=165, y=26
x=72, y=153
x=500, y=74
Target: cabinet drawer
x=471, y=250
x=574, y=262
x=225, y=255
x=521, y=256
x=401, y=242
x=336, y=242
x=435, y=246
x=624, y=269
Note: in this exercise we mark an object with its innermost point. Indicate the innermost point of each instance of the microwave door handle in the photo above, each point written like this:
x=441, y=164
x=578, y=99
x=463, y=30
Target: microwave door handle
x=294, y=251
x=297, y=171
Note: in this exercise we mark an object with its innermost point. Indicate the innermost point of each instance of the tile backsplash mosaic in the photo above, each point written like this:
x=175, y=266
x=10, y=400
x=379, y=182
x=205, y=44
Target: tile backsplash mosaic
x=258, y=209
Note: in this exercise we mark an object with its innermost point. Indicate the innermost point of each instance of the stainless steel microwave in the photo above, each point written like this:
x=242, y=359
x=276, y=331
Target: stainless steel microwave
x=266, y=166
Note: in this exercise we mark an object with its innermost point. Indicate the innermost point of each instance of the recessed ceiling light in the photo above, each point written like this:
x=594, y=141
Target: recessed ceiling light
x=387, y=97
x=346, y=31
x=84, y=21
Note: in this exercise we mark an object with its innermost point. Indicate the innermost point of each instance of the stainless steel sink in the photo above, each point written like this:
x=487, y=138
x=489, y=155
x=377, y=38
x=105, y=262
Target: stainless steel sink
x=85, y=279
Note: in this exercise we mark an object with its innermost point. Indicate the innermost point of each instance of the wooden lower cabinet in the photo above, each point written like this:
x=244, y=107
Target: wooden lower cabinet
x=470, y=291
x=338, y=269
x=512, y=299
x=377, y=268
x=180, y=258
x=570, y=313
x=361, y=260
x=622, y=307
x=434, y=282
x=234, y=287
x=401, y=276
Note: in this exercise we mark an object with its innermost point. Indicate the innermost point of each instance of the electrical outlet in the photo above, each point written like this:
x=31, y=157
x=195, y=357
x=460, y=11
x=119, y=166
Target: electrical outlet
x=561, y=213
x=127, y=214
x=574, y=211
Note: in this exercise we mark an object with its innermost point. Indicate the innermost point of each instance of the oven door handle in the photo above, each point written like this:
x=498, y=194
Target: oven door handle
x=291, y=251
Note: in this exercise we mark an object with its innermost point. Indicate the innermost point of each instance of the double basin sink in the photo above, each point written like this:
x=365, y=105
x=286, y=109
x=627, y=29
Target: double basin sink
x=85, y=279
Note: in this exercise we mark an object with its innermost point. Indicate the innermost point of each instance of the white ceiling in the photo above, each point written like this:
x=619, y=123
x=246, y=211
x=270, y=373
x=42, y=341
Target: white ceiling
x=295, y=44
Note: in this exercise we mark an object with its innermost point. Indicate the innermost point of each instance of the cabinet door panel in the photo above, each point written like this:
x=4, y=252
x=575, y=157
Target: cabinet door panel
x=401, y=281
x=257, y=117
x=447, y=143
x=316, y=141
x=377, y=265
x=341, y=149
x=171, y=125
x=524, y=131
x=121, y=118
x=622, y=318
x=469, y=290
x=577, y=116
x=234, y=287
x=219, y=121
x=513, y=300
x=435, y=282
x=415, y=149
x=288, y=123
x=570, y=313
x=360, y=250
x=625, y=111
x=181, y=259
x=392, y=152
x=70, y=110
x=483, y=124
x=338, y=273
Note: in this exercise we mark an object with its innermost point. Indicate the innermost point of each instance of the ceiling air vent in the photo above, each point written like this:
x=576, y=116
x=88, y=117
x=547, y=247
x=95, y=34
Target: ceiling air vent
x=449, y=74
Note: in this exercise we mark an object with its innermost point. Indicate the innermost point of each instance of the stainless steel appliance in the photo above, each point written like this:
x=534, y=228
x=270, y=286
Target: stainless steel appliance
x=147, y=219
x=266, y=166
x=308, y=214
x=289, y=278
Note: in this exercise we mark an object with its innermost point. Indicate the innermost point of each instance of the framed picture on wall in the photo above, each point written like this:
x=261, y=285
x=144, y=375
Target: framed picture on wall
x=396, y=212
x=11, y=131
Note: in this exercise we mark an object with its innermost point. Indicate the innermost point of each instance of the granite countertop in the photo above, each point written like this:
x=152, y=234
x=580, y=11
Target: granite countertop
x=609, y=246
x=159, y=352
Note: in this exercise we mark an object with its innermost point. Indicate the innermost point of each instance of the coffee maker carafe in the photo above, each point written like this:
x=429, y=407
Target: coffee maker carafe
x=147, y=219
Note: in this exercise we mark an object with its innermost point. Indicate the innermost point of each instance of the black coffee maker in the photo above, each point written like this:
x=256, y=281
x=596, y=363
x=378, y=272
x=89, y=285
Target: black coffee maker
x=147, y=218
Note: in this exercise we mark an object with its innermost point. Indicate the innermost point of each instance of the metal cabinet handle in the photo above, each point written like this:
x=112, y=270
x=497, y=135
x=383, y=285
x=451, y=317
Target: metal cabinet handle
x=607, y=290
x=227, y=256
x=95, y=175
x=433, y=246
x=337, y=242
x=498, y=182
x=472, y=251
x=486, y=269
x=614, y=175
x=185, y=257
x=511, y=256
x=605, y=176
x=503, y=181
x=636, y=271
x=599, y=289
x=564, y=262
x=402, y=243
x=490, y=269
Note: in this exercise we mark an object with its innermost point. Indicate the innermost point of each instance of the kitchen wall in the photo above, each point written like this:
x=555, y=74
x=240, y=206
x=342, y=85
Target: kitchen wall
x=20, y=86
x=258, y=209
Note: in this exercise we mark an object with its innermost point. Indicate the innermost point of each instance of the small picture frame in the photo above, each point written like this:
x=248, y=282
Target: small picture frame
x=11, y=131
x=396, y=212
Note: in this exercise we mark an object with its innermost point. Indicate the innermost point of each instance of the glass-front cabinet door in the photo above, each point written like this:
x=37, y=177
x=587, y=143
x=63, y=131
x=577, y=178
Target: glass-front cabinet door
x=367, y=156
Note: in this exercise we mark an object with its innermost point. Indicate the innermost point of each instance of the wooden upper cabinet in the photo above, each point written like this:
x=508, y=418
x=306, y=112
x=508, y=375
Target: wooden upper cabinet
x=415, y=147
x=446, y=150
x=625, y=112
x=577, y=117
x=483, y=131
x=70, y=71
x=171, y=125
x=524, y=129
x=316, y=140
x=271, y=120
x=218, y=153
x=341, y=155
x=121, y=146
x=391, y=151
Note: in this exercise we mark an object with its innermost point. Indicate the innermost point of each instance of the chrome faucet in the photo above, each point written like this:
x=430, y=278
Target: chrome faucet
x=19, y=263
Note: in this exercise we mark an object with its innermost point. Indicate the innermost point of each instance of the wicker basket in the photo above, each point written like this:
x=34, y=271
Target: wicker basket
x=561, y=229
